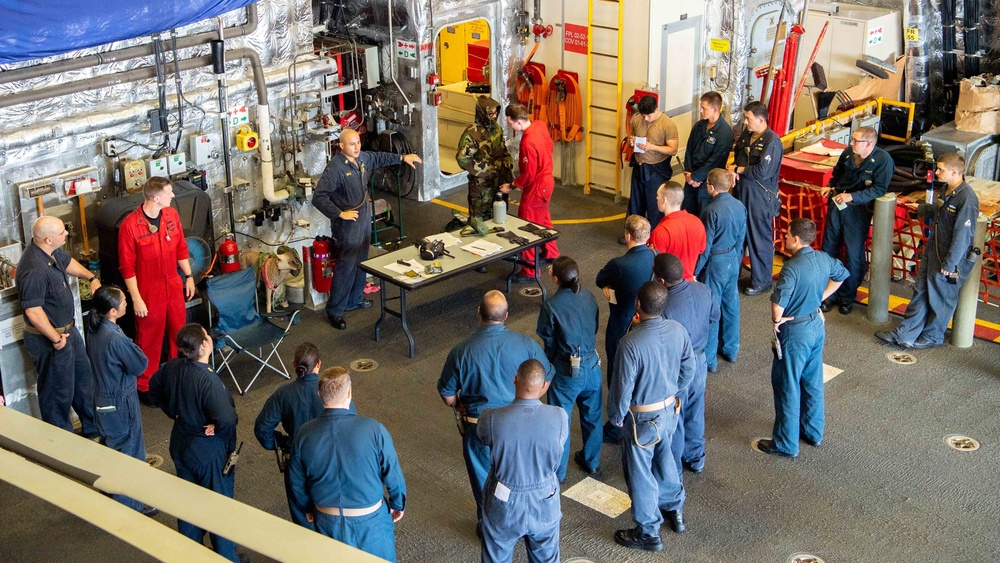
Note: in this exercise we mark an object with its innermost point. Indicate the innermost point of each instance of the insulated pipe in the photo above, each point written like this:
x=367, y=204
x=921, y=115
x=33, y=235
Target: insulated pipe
x=266, y=158
x=963, y=324
x=133, y=75
x=44, y=132
x=880, y=266
x=145, y=73
x=917, y=86
x=56, y=67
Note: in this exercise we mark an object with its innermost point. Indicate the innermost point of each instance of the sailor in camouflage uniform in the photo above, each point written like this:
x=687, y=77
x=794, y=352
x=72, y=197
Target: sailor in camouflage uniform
x=484, y=155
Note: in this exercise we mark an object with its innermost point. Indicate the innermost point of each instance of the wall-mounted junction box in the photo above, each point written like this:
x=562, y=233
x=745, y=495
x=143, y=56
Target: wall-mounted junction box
x=157, y=167
x=176, y=163
x=133, y=175
x=203, y=150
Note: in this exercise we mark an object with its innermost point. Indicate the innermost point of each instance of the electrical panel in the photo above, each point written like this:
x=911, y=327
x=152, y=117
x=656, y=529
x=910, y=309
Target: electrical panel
x=204, y=149
x=854, y=31
x=368, y=63
x=158, y=167
x=133, y=175
x=176, y=163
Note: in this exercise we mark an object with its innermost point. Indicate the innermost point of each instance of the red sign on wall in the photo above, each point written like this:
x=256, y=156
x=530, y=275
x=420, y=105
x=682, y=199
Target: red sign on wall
x=575, y=38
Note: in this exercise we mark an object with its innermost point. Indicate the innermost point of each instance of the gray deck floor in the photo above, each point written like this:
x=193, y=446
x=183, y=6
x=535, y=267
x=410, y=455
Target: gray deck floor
x=884, y=486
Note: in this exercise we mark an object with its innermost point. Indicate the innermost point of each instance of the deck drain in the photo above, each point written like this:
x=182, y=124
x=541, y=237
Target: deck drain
x=901, y=358
x=364, y=364
x=804, y=558
x=531, y=292
x=154, y=460
x=961, y=443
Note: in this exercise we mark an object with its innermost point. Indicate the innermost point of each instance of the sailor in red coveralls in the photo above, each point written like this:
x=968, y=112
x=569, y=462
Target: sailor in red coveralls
x=151, y=248
x=535, y=179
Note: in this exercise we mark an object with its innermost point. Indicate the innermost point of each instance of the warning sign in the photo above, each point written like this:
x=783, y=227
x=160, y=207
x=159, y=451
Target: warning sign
x=719, y=45
x=575, y=38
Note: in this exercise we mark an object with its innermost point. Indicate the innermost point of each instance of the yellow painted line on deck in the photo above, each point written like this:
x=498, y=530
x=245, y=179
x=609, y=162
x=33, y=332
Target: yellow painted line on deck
x=618, y=217
x=450, y=205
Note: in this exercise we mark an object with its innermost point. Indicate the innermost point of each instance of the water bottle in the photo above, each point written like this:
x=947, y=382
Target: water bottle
x=499, y=210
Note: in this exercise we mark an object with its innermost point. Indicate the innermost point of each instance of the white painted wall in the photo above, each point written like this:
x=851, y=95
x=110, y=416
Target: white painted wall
x=641, y=64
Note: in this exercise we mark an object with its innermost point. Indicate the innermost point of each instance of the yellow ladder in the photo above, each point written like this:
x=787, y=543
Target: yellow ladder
x=604, y=79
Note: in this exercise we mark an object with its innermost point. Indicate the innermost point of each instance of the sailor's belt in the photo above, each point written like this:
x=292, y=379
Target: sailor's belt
x=664, y=404
x=349, y=511
x=725, y=251
x=471, y=419
x=58, y=329
x=802, y=318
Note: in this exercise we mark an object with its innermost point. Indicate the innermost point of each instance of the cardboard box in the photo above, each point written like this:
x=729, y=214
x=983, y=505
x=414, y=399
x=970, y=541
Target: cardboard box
x=977, y=98
x=986, y=122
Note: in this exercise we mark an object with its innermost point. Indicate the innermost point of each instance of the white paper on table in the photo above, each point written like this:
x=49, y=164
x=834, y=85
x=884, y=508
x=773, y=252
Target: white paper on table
x=818, y=148
x=639, y=141
x=483, y=248
x=447, y=238
x=401, y=269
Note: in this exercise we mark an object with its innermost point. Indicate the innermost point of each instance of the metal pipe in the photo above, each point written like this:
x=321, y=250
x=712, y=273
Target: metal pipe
x=392, y=67
x=963, y=324
x=177, y=87
x=128, y=114
x=135, y=74
x=880, y=266
x=219, y=68
x=97, y=59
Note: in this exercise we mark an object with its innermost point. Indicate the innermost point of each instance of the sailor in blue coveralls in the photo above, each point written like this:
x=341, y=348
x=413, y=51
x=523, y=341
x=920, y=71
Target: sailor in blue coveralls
x=691, y=304
x=522, y=490
x=204, y=416
x=708, y=147
x=341, y=469
x=757, y=161
x=620, y=279
x=861, y=176
x=725, y=220
x=292, y=405
x=947, y=260
x=52, y=342
x=567, y=325
x=655, y=362
x=806, y=278
x=477, y=376
x=342, y=195
x=117, y=362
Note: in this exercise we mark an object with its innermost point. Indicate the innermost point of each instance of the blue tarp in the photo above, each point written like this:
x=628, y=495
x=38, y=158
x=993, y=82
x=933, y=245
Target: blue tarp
x=34, y=29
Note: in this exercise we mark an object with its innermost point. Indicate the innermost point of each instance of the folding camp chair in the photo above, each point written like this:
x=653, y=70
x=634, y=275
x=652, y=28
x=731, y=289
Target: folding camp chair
x=241, y=327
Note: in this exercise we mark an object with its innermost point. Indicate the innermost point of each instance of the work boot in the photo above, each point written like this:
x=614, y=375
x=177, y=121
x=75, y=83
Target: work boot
x=634, y=539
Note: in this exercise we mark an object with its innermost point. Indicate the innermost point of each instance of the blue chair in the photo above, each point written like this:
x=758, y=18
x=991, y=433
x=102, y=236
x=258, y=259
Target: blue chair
x=242, y=328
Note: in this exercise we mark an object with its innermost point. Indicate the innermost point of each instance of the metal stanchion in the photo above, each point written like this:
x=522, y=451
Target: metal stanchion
x=963, y=324
x=880, y=267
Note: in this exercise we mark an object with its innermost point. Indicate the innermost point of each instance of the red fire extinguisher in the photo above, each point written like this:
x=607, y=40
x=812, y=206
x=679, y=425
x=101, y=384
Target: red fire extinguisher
x=229, y=254
x=322, y=265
